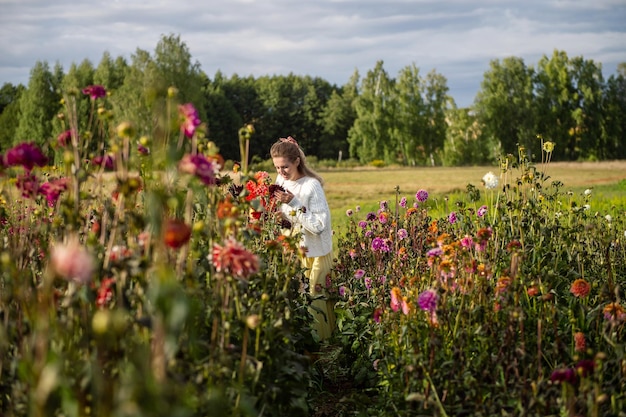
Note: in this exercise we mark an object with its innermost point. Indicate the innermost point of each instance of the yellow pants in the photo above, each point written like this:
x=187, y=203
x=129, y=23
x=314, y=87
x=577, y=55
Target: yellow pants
x=317, y=270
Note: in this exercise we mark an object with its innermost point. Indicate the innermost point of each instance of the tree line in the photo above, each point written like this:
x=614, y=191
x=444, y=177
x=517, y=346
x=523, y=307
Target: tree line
x=374, y=118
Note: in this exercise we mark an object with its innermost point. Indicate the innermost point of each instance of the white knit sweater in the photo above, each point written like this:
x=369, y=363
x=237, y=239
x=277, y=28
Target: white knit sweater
x=314, y=220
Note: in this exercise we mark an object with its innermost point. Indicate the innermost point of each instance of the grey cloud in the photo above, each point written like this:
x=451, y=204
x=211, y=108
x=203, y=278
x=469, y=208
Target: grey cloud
x=325, y=38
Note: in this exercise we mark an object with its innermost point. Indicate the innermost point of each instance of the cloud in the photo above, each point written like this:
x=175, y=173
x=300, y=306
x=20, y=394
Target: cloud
x=325, y=38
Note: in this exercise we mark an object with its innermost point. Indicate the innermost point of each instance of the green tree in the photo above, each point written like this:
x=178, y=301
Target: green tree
x=504, y=105
x=411, y=119
x=587, y=110
x=614, y=106
x=76, y=79
x=222, y=117
x=556, y=103
x=154, y=86
x=465, y=144
x=247, y=108
x=174, y=68
x=337, y=118
x=110, y=73
x=311, y=133
x=369, y=137
x=135, y=98
x=291, y=105
x=436, y=99
x=39, y=104
x=9, y=113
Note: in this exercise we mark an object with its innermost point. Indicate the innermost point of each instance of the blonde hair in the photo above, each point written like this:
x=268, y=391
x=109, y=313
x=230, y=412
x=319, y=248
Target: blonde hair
x=288, y=148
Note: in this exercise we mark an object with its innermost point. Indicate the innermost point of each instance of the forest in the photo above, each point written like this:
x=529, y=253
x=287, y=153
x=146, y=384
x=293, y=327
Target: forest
x=375, y=118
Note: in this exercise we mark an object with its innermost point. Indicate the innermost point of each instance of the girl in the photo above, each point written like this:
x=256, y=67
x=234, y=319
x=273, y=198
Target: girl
x=304, y=205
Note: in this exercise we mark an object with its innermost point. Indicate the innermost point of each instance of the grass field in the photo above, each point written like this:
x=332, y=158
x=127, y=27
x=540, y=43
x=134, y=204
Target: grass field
x=366, y=187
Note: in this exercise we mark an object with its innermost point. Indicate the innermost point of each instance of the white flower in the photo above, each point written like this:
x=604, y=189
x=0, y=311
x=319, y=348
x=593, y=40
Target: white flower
x=588, y=191
x=490, y=180
x=558, y=214
x=586, y=207
x=608, y=218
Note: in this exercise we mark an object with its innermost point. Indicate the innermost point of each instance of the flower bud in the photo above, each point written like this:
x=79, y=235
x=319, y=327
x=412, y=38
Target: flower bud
x=253, y=321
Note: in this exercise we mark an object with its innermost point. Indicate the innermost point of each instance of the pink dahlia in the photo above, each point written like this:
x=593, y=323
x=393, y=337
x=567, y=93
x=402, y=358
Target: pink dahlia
x=72, y=261
x=234, y=258
x=189, y=119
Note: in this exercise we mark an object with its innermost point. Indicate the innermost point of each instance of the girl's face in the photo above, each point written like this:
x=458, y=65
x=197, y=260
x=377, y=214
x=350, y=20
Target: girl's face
x=287, y=169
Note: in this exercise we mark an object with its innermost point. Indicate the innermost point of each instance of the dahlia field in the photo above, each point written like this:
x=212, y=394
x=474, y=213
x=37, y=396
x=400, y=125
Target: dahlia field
x=138, y=278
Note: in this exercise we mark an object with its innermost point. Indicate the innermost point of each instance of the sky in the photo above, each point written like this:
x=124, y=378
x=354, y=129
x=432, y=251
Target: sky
x=330, y=39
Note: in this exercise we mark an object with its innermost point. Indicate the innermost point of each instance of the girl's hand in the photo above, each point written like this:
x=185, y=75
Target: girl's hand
x=283, y=196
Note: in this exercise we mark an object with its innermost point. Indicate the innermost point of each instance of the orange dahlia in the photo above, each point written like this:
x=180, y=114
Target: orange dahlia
x=580, y=288
x=176, y=233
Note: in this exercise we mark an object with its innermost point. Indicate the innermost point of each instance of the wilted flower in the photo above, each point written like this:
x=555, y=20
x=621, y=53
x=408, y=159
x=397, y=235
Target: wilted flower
x=95, y=91
x=421, y=196
x=580, y=288
x=427, y=300
x=72, y=261
x=176, y=233
x=490, y=180
x=189, y=119
x=234, y=258
x=25, y=154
